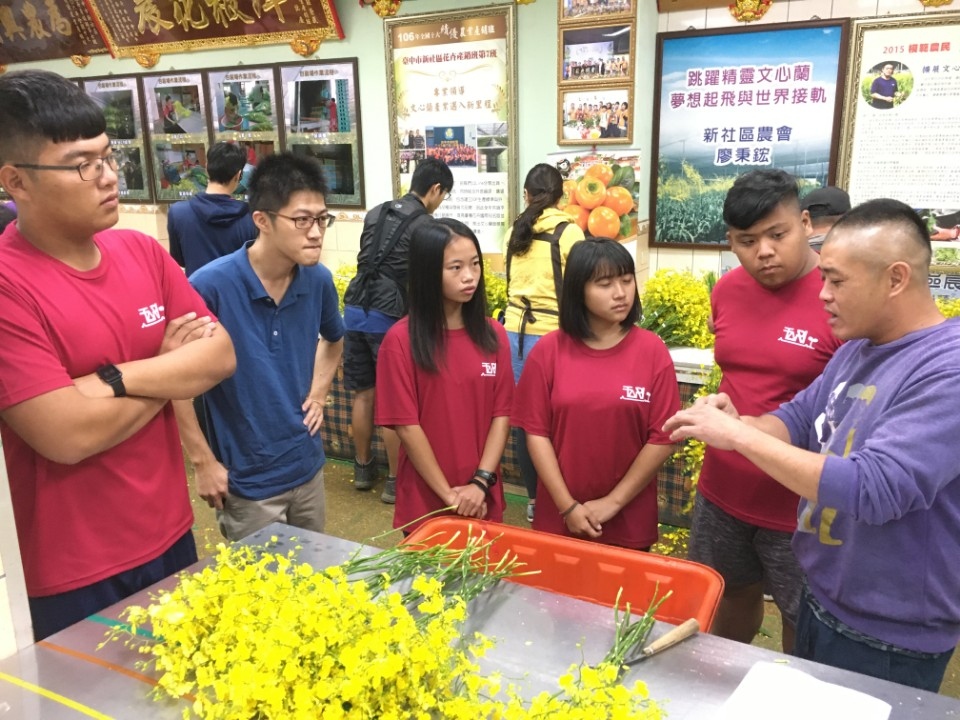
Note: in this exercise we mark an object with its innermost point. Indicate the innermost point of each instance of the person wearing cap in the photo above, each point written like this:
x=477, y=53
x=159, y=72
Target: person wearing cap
x=825, y=206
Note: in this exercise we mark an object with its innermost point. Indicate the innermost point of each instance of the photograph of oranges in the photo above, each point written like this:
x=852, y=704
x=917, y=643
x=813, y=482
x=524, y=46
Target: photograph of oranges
x=599, y=195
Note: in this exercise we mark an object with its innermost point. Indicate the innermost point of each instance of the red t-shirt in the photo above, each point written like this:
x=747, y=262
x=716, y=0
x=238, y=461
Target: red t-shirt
x=454, y=407
x=770, y=344
x=599, y=408
x=78, y=524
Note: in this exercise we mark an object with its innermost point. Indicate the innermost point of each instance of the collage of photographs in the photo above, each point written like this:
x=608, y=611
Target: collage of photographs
x=477, y=147
x=161, y=126
x=595, y=74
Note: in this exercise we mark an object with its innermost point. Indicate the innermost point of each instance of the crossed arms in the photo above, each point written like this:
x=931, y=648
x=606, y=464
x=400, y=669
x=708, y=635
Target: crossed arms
x=71, y=424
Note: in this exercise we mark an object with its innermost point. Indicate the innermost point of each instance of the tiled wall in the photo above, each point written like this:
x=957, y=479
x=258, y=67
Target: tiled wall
x=781, y=11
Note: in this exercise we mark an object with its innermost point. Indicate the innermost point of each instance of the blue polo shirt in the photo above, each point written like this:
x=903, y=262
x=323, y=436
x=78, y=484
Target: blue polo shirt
x=255, y=417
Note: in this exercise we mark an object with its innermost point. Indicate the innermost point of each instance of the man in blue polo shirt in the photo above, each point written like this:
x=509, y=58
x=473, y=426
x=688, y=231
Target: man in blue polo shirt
x=264, y=461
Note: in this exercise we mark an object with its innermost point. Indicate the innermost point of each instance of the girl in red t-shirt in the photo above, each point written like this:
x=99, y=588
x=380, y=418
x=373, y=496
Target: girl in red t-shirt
x=444, y=382
x=592, y=399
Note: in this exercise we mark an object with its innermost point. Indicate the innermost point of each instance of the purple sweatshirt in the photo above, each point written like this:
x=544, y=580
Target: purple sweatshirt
x=881, y=550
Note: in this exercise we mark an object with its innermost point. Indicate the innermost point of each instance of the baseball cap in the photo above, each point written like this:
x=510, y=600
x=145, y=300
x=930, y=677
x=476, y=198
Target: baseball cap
x=825, y=201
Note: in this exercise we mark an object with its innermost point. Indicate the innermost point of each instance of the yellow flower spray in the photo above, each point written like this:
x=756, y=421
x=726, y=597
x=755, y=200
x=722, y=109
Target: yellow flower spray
x=259, y=635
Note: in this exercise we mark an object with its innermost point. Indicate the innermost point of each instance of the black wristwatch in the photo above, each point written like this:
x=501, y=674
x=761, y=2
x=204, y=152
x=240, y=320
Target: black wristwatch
x=112, y=376
x=490, y=478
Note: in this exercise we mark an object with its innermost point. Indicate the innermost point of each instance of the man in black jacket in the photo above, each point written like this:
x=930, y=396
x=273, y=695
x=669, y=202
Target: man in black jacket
x=375, y=299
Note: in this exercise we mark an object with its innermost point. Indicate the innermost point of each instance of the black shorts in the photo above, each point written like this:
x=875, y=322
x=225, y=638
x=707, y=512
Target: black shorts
x=745, y=554
x=360, y=351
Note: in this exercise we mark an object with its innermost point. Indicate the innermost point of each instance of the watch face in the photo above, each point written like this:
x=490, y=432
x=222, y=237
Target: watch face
x=109, y=374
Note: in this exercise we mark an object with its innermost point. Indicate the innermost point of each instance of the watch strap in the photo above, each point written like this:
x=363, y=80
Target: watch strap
x=479, y=484
x=111, y=375
x=489, y=477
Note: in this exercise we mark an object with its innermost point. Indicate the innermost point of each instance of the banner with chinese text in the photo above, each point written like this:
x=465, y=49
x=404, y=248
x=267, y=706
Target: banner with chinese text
x=32, y=30
x=730, y=101
x=900, y=128
x=134, y=27
x=452, y=83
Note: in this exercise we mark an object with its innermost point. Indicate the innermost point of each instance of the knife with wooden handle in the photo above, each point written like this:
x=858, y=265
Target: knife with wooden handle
x=667, y=640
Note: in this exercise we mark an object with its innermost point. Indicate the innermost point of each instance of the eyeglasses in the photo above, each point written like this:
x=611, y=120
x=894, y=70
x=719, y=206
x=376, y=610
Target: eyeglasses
x=305, y=222
x=88, y=169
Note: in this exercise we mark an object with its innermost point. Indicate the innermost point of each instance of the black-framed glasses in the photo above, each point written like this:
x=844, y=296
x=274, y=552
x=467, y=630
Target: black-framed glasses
x=305, y=222
x=88, y=169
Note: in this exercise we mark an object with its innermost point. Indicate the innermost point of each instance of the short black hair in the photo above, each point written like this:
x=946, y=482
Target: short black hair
x=37, y=106
x=592, y=259
x=756, y=194
x=887, y=211
x=428, y=173
x=279, y=176
x=224, y=161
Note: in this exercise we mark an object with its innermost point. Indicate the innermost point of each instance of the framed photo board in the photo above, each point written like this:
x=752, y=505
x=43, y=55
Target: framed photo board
x=577, y=11
x=595, y=116
x=177, y=114
x=729, y=101
x=452, y=82
x=121, y=102
x=321, y=118
x=596, y=54
x=903, y=79
x=244, y=109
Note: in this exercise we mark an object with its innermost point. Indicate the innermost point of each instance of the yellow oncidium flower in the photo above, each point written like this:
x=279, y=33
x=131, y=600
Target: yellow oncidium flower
x=262, y=635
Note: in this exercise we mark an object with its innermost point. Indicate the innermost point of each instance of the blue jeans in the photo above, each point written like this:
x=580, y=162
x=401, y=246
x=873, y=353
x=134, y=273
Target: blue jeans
x=824, y=639
x=527, y=471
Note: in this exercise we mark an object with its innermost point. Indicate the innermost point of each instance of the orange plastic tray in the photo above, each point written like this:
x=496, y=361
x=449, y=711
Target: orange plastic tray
x=592, y=571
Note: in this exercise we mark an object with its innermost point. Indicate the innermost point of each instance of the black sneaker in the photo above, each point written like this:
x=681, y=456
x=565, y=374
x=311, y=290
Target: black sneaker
x=389, y=494
x=364, y=476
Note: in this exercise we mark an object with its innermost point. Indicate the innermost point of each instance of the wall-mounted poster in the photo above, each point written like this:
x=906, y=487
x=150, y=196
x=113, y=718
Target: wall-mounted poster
x=243, y=103
x=321, y=114
x=622, y=190
x=598, y=116
x=176, y=111
x=596, y=54
x=119, y=98
x=729, y=101
x=900, y=126
x=452, y=95
x=575, y=11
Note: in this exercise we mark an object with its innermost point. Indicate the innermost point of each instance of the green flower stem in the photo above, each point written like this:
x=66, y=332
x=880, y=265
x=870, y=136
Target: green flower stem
x=629, y=635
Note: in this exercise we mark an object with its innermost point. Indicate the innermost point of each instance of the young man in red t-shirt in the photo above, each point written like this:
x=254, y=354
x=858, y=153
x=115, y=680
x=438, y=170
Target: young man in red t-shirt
x=772, y=340
x=100, y=330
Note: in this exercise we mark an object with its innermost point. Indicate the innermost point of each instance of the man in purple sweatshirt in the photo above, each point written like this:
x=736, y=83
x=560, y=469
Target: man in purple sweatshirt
x=871, y=448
